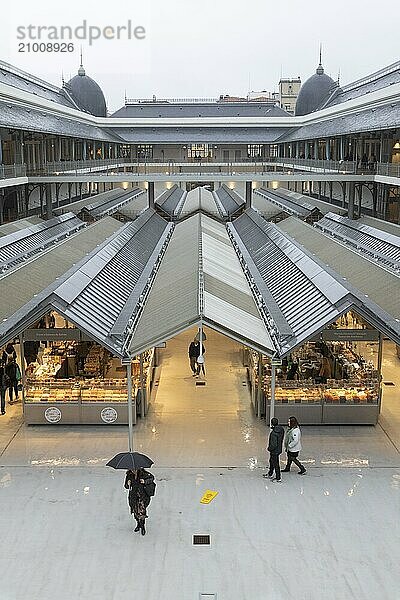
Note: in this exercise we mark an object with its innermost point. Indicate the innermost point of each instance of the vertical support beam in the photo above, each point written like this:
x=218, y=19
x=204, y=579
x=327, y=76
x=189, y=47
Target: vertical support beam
x=374, y=198
x=49, y=205
x=150, y=193
x=259, y=391
x=142, y=388
x=249, y=193
x=360, y=192
x=21, y=343
x=131, y=409
x=380, y=354
x=1, y=208
x=273, y=385
x=352, y=193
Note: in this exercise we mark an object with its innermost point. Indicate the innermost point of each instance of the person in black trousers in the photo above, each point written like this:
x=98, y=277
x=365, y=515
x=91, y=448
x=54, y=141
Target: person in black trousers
x=11, y=370
x=275, y=449
x=194, y=353
x=3, y=386
x=141, y=486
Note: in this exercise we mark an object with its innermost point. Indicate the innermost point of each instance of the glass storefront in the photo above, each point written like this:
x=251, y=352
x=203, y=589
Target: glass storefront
x=339, y=369
x=63, y=369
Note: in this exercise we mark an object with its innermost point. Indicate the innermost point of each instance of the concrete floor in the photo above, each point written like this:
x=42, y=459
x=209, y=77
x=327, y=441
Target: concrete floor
x=333, y=534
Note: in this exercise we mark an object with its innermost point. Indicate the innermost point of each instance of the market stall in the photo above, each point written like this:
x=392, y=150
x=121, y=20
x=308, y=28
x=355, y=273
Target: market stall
x=71, y=379
x=335, y=378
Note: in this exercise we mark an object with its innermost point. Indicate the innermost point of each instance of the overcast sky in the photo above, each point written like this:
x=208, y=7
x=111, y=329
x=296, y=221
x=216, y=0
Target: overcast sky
x=205, y=48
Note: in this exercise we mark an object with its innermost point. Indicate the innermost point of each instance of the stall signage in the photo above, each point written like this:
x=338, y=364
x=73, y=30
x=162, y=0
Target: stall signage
x=276, y=362
x=350, y=335
x=50, y=335
x=52, y=414
x=109, y=414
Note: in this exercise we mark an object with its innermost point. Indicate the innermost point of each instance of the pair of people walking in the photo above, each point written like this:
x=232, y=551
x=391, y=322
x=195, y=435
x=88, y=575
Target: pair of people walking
x=142, y=487
x=194, y=353
x=291, y=441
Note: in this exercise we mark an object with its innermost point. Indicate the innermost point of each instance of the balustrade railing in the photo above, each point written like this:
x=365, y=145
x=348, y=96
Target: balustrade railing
x=10, y=171
x=389, y=169
x=175, y=166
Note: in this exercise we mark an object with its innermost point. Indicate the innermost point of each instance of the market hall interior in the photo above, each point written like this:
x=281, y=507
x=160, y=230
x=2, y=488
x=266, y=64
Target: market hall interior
x=55, y=487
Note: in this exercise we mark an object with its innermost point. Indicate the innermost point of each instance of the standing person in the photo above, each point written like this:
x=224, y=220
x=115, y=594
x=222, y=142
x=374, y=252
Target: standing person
x=13, y=373
x=292, y=444
x=194, y=353
x=275, y=449
x=3, y=386
x=141, y=486
x=9, y=353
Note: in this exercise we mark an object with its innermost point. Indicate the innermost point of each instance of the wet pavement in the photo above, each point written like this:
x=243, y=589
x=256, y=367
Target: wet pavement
x=332, y=534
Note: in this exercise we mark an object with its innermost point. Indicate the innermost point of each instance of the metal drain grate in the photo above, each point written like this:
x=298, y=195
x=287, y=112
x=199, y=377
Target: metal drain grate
x=201, y=540
x=388, y=383
x=200, y=383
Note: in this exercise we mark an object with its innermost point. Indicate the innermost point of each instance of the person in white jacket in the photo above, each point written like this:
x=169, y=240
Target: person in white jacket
x=292, y=443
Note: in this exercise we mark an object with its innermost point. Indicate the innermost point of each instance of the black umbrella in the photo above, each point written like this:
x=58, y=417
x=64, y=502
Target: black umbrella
x=129, y=461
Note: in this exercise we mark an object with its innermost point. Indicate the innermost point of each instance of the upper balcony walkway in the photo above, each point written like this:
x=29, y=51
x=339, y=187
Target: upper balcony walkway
x=126, y=169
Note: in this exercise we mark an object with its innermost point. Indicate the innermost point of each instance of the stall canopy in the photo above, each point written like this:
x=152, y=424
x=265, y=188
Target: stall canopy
x=200, y=280
x=228, y=201
x=171, y=201
x=300, y=293
x=100, y=294
x=381, y=246
x=373, y=282
x=30, y=281
x=17, y=247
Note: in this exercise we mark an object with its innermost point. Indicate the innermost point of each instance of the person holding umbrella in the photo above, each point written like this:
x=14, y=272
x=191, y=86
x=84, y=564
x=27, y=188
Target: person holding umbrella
x=140, y=483
x=141, y=486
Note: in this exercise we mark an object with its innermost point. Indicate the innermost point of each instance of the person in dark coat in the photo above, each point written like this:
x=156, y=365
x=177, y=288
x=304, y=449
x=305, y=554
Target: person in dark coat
x=194, y=353
x=275, y=442
x=3, y=386
x=9, y=353
x=141, y=486
x=12, y=372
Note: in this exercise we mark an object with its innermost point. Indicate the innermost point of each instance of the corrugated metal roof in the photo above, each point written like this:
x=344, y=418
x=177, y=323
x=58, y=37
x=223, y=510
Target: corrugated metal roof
x=375, y=283
x=307, y=201
x=17, y=247
x=199, y=198
x=307, y=296
x=94, y=295
x=109, y=204
x=379, y=245
x=170, y=200
x=77, y=205
x=200, y=251
x=24, y=283
x=392, y=228
x=298, y=207
x=20, y=224
x=228, y=201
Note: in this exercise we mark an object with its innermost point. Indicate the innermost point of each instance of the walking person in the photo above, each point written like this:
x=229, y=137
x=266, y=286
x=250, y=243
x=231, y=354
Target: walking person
x=13, y=373
x=194, y=353
x=141, y=486
x=3, y=386
x=292, y=443
x=275, y=449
